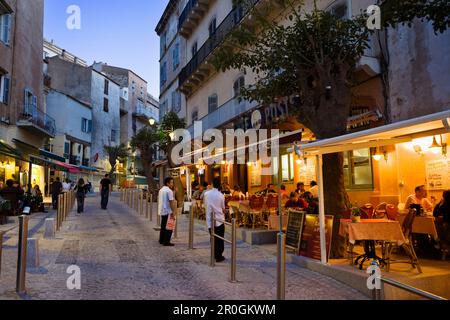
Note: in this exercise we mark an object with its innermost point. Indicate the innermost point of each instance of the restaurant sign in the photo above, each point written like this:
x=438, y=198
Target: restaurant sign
x=294, y=230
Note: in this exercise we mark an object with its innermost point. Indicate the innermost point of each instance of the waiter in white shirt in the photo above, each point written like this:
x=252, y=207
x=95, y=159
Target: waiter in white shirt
x=215, y=202
x=167, y=206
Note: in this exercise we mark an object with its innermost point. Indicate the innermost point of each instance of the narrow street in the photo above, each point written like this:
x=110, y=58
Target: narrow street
x=120, y=258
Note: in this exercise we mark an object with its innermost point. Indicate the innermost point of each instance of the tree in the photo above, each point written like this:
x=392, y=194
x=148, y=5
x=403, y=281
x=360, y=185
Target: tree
x=146, y=141
x=117, y=153
x=314, y=58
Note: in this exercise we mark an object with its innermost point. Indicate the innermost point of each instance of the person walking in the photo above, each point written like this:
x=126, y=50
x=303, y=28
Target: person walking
x=81, y=189
x=167, y=206
x=56, y=189
x=66, y=186
x=105, y=191
x=215, y=203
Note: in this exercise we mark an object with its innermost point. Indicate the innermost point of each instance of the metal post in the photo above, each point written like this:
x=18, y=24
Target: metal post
x=281, y=267
x=147, y=205
x=66, y=205
x=22, y=254
x=142, y=203
x=58, y=212
x=233, y=250
x=213, y=239
x=136, y=201
x=175, y=234
x=191, y=228
x=1, y=247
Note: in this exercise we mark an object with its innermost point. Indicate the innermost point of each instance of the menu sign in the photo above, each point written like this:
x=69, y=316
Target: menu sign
x=294, y=230
x=438, y=177
x=310, y=244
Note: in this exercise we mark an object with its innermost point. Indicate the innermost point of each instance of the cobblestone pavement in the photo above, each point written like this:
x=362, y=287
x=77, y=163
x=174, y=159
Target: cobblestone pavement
x=120, y=258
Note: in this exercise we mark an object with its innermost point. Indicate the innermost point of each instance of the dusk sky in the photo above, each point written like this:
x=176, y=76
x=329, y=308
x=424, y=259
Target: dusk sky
x=120, y=33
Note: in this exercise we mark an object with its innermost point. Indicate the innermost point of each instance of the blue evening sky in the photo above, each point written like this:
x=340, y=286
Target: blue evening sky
x=118, y=32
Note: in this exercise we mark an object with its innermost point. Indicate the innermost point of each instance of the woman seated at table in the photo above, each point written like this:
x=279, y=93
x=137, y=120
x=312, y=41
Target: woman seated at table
x=237, y=193
x=295, y=202
x=442, y=215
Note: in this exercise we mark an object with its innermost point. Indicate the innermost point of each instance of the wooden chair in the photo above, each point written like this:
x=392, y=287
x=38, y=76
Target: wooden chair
x=256, y=210
x=392, y=212
x=380, y=211
x=408, y=246
x=367, y=211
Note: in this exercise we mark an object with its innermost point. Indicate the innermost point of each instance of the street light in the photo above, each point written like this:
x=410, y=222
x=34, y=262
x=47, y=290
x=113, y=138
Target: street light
x=152, y=121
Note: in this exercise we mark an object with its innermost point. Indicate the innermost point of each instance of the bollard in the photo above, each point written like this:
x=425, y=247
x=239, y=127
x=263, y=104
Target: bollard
x=233, y=250
x=59, y=213
x=49, y=232
x=1, y=248
x=22, y=254
x=141, y=212
x=191, y=228
x=213, y=239
x=281, y=267
x=175, y=232
x=33, y=253
x=146, y=206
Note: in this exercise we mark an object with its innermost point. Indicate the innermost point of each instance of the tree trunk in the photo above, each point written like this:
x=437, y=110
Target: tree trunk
x=336, y=197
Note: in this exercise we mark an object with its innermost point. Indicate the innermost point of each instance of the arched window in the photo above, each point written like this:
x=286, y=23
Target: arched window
x=238, y=85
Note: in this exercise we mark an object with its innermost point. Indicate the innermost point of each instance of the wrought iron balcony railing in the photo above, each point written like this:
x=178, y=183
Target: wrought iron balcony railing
x=31, y=115
x=74, y=160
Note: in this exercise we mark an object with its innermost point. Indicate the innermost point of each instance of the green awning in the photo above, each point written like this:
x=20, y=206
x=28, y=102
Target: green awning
x=138, y=180
x=50, y=155
x=9, y=151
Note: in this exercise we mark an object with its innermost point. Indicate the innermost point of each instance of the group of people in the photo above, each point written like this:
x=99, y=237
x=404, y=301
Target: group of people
x=201, y=189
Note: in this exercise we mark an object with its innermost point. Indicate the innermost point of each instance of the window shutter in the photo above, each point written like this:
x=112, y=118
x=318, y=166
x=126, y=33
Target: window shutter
x=6, y=84
x=66, y=150
x=89, y=126
x=8, y=28
x=83, y=126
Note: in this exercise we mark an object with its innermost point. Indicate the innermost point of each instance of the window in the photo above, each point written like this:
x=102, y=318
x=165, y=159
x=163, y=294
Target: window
x=194, y=49
x=5, y=27
x=238, y=13
x=176, y=101
x=176, y=56
x=341, y=10
x=30, y=103
x=86, y=125
x=238, y=85
x=5, y=83
x=106, y=87
x=194, y=115
x=106, y=105
x=163, y=109
x=212, y=103
x=163, y=74
x=163, y=41
x=358, y=172
x=114, y=136
x=212, y=27
x=67, y=150
x=287, y=168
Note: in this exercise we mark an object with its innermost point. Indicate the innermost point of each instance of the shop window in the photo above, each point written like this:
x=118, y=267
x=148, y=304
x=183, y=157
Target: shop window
x=358, y=170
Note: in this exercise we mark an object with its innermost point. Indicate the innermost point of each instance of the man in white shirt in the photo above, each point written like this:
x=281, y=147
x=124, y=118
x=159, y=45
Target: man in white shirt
x=167, y=206
x=66, y=186
x=314, y=189
x=215, y=203
x=419, y=198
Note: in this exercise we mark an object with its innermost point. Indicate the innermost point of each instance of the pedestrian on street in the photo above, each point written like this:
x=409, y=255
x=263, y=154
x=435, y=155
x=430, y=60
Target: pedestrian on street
x=215, y=203
x=167, y=206
x=66, y=185
x=105, y=191
x=81, y=189
x=56, y=189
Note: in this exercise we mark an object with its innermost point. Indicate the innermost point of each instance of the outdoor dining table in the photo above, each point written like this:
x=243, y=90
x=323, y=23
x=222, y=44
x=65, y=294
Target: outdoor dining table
x=371, y=230
x=422, y=225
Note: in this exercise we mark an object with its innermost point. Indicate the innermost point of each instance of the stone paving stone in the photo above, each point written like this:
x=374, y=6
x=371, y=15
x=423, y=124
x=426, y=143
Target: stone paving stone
x=120, y=259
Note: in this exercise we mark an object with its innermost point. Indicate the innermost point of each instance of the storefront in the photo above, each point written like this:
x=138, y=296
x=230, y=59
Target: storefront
x=386, y=163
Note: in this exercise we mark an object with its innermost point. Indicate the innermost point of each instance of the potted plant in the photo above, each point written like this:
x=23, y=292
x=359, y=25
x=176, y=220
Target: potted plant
x=356, y=214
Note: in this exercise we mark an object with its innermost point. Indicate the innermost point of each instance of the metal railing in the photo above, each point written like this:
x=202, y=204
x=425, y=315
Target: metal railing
x=186, y=12
x=226, y=112
x=376, y=293
x=223, y=30
x=39, y=119
x=1, y=249
x=233, y=243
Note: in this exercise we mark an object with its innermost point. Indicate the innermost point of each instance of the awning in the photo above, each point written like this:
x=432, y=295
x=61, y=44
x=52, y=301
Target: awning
x=50, y=155
x=46, y=163
x=88, y=168
x=160, y=163
x=399, y=132
x=7, y=150
x=69, y=167
x=138, y=180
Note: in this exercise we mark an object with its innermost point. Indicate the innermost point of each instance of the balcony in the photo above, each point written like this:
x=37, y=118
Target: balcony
x=144, y=113
x=37, y=121
x=74, y=160
x=85, y=162
x=198, y=69
x=224, y=114
x=190, y=18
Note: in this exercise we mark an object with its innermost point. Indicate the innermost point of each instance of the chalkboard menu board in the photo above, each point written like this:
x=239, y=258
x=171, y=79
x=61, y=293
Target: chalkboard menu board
x=310, y=244
x=294, y=229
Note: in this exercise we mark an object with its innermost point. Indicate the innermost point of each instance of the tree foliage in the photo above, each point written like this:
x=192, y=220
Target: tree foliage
x=120, y=153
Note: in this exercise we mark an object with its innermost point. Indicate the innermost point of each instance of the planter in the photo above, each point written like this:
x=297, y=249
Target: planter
x=356, y=219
